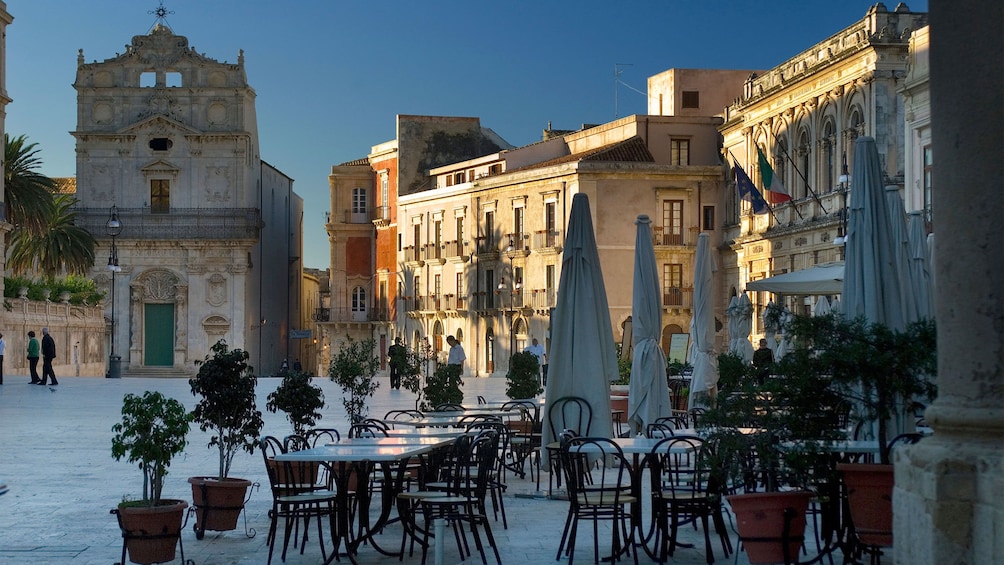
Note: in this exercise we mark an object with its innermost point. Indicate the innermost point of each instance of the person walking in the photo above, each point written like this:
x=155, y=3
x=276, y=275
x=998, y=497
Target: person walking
x=457, y=355
x=398, y=359
x=3, y=345
x=33, y=349
x=763, y=362
x=48, y=354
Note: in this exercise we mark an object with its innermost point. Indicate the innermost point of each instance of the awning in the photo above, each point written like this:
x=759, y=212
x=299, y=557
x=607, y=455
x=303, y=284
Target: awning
x=825, y=278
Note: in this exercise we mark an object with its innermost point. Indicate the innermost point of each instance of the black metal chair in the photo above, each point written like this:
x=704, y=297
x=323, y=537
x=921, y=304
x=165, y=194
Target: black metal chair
x=597, y=492
x=497, y=481
x=682, y=494
x=296, y=497
x=449, y=407
x=566, y=413
x=367, y=430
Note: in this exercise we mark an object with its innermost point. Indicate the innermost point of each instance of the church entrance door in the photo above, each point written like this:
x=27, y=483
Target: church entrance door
x=158, y=335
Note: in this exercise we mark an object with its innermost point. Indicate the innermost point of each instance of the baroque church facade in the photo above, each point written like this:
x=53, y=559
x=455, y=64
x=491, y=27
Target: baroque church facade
x=167, y=143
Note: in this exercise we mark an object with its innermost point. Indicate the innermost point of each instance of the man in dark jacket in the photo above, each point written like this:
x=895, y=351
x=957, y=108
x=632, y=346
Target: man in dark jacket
x=48, y=354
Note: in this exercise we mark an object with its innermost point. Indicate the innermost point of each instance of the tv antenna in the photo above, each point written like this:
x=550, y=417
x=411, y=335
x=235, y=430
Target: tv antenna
x=617, y=83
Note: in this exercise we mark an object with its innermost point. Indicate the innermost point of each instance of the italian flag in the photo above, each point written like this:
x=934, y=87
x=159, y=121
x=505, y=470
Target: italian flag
x=775, y=191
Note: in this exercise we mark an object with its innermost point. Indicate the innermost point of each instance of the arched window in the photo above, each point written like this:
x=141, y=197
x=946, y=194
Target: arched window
x=828, y=165
x=781, y=156
x=490, y=350
x=804, y=150
x=358, y=299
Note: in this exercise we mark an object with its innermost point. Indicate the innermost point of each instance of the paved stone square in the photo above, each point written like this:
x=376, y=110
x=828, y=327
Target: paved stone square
x=56, y=461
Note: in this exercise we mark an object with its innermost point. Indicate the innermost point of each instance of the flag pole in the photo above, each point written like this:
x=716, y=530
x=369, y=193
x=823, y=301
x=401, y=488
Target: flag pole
x=793, y=205
x=794, y=166
x=767, y=204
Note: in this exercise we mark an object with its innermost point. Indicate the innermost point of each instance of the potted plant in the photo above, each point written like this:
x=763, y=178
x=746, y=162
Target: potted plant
x=443, y=387
x=880, y=372
x=522, y=379
x=767, y=443
x=299, y=399
x=353, y=369
x=152, y=432
x=226, y=384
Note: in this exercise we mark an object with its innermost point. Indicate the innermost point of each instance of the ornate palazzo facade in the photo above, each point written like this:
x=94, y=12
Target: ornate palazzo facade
x=168, y=138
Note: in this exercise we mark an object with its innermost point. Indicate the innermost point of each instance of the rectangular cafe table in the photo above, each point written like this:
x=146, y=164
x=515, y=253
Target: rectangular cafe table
x=361, y=455
x=425, y=432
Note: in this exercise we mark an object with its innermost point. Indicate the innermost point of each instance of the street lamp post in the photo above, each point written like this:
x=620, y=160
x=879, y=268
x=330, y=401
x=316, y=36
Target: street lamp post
x=516, y=286
x=113, y=228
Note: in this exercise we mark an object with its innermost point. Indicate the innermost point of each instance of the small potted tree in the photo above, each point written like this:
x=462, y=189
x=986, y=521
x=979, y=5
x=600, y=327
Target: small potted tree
x=299, y=399
x=225, y=384
x=152, y=432
x=443, y=387
x=522, y=379
x=353, y=369
x=767, y=442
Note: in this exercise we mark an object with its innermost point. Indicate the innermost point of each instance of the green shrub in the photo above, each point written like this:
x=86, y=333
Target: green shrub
x=522, y=379
x=353, y=369
x=443, y=387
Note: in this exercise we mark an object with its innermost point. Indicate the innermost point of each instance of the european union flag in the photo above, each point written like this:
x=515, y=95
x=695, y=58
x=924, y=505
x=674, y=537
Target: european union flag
x=747, y=191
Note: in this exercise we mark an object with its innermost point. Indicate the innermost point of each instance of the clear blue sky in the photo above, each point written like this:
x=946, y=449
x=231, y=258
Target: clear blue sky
x=331, y=75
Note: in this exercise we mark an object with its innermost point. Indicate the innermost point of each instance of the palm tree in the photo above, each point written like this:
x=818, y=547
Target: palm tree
x=27, y=193
x=62, y=247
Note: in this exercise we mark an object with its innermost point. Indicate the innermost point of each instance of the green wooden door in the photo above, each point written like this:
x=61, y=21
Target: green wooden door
x=158, y=333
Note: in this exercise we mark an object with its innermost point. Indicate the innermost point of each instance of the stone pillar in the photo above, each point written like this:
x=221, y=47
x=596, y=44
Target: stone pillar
x=949, y=499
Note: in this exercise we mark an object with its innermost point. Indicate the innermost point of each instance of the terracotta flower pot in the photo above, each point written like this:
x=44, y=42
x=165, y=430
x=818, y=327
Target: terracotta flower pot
x=760, y=521
x=218, y=503
x=869, y=496
x=151, y=532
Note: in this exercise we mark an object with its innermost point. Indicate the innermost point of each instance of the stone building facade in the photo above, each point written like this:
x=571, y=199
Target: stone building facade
x=167, y=140
x=804, y=115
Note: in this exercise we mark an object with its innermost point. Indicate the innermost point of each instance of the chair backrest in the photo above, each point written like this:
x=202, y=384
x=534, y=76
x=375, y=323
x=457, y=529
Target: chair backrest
x=695, y=415
x=377, y=423
x=908, y=438
x=481, y=400
x=659, y=430
x=475, y=418
x=449, y=407
x=287, y=477
x=367, y=430
x=676, y=422
x=570, y=413
x=402, y=415
x=294, y=442
x=680, y=463
x=321, y=436
x=472, y=466
x=595, y=485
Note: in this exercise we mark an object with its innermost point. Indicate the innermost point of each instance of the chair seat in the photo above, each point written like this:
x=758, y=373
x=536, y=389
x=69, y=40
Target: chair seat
x=604, y=498
x=302, y=498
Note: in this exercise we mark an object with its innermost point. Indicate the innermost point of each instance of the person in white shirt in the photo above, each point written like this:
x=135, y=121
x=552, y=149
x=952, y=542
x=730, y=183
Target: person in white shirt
x=538, y=351
x=457, y=355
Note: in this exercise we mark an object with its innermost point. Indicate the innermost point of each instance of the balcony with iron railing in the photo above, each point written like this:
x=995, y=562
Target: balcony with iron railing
x=412, y=254
x=663, y=237
x=455, y=250
x=540, y=299
x=678, y=297
x=177, y=223
x=434, y=253
x=381, y=215
x=336, y=315
x=487, y=247
x=545, y=240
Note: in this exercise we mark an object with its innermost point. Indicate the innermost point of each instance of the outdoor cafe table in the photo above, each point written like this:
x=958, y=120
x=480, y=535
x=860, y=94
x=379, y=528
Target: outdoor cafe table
x=359, y=455
x=480, y=411
x=425, y=432
x=452, y=420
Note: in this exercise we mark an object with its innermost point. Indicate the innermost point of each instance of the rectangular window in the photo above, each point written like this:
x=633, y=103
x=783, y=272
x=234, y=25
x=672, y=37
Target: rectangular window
x=418, y=291
x=490, y=288
x=358, y=200
x=672, y=284
x=680, y=152
x=460, y=233
x=400, y=241
x=384, y=189
x=691, y=99
x=438, y=286
x=417, y=251
x=517, y=288
x=172, y=79
x=517, y=227
x=549, y=226
x=148, y=79
x=672, y=222
x=160, y=196
x=437, y=241
x=549, y=284
x=489, y=230
x=460, y=290
x=708, y=219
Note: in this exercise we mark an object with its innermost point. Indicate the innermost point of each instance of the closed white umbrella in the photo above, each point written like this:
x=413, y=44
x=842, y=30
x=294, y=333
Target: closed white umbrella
x=822, y=307
x=649, y=393
x=745, y=326
x=903, y=253
x=702, y=325
x=871, y=277
x=583, y=357
x=920, y=266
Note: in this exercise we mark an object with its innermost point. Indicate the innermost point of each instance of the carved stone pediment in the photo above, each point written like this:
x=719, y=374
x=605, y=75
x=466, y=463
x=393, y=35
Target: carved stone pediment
x=160, y=124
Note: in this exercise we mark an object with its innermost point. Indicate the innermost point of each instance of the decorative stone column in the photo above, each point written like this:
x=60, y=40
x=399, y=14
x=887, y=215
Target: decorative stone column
x=949, y=499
